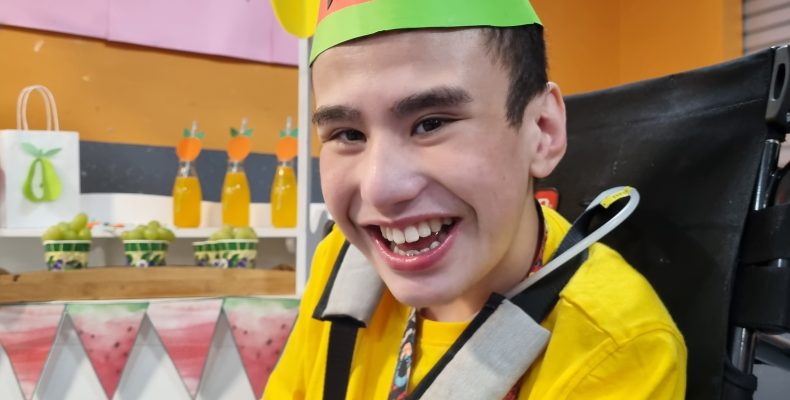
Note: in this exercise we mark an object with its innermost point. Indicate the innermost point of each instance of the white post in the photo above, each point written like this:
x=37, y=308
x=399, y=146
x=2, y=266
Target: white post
x=304, y=247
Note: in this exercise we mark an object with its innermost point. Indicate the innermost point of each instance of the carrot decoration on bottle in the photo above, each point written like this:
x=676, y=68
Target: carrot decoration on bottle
x=188, y=148
x=240, y=144
x=187, y=193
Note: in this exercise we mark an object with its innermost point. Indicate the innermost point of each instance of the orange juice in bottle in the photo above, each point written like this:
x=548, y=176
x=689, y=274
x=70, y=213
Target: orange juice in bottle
x=235, y=196
x=187, y=194
x=283, y=195
x=236, y=189
x=187, y=197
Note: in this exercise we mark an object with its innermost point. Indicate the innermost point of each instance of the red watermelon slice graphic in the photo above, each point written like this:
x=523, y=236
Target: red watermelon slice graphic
x=186, y=329
x=107, y=333
x=260, y=329
x=27, y=333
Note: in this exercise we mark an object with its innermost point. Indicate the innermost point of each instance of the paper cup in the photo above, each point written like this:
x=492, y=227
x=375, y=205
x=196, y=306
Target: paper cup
x=233, y=253
x=203, y=254
x=66, y=254
x=145, y=253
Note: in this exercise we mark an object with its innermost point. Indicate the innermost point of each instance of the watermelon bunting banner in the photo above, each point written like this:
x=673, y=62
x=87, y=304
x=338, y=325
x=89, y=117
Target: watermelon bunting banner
x=186, y=328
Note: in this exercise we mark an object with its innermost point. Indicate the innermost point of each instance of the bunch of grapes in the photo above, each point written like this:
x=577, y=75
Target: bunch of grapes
x=152, y=231
x=229, y=232
x=77, y=229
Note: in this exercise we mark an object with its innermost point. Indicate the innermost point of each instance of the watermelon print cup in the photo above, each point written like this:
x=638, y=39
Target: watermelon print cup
x=231, y=253
x=145, y=253
x=66, y=254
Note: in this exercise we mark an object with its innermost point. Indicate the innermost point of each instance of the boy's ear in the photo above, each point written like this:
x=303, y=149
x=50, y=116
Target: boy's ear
x=551, y=136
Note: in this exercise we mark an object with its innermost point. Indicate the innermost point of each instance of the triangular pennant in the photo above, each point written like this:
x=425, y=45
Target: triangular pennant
x=107, y=333
x=260, y=329
x=186, y=329
x=27, y=333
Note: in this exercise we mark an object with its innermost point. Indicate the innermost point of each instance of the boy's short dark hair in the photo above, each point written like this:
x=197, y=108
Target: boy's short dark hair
x=522, y=50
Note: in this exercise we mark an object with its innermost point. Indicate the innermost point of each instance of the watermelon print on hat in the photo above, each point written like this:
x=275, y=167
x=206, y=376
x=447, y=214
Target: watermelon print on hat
x=186, y=329
x=27, y=334
x=107, y=333
x=260, y=328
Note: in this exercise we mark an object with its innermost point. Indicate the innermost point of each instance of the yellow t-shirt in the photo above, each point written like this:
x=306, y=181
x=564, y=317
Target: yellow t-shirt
x=611, y=337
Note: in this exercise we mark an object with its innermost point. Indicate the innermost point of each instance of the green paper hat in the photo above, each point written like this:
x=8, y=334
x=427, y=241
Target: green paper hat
x=342, y=20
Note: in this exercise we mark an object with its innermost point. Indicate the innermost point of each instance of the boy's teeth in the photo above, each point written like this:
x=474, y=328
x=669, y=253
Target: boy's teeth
x=447, y=221
x=411, y=233
x=435, y=224
x=424, y=229
x=398, y=236
x=434, y=245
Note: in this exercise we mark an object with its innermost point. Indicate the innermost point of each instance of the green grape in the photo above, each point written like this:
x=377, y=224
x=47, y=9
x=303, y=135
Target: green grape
x=69, y=234
x=154, y=225
x=222, y=234
x=84, y=234
x=136, y=234
x=53, y=233
x=79, y=222
x=63, y=226
x=151, y=234
x=165, y=234
x=125, y=235
x=244, y=233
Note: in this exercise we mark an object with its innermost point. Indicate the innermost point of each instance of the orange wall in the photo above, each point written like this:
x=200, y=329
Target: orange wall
x=120, y=93
x=130, y=94
x=597, y=44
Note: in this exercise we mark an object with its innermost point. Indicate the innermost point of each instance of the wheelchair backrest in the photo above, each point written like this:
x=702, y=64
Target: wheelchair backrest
x=691, y=144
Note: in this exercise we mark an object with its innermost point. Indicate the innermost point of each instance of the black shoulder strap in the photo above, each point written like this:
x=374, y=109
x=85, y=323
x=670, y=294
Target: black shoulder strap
x=537, y=301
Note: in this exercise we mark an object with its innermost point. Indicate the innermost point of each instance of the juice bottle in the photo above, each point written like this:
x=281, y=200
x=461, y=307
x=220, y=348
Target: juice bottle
x=235, y=196
x=187, y=197
x=283, y=196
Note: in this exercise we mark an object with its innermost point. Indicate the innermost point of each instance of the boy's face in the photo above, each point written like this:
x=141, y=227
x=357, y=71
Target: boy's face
x=421, y=169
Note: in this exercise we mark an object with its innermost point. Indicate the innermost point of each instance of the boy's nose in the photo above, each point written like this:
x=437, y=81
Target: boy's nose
x=391, y=176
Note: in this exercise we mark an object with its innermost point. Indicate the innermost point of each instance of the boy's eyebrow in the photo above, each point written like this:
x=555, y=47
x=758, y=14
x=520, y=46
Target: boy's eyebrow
x=327, y=114
x=442, y=96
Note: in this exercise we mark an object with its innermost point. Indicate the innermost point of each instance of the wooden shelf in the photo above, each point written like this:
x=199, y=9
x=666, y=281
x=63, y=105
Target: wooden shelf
x=112, y=283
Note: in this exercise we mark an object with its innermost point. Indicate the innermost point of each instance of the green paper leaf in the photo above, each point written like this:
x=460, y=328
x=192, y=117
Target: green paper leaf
x=283, y=133
x=187, y=132
x=30, y=149
x=294, y=132
x=200, y=135
x=248, y=132
x=51, y=152
x=234, y=132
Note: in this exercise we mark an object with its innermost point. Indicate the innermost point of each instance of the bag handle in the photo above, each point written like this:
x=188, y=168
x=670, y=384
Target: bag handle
x=49, y=104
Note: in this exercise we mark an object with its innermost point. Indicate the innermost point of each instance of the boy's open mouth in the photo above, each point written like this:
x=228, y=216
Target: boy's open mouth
x=415, y=239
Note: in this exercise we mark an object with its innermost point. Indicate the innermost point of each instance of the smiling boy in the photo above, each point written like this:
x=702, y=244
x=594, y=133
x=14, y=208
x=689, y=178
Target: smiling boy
x=433, y=133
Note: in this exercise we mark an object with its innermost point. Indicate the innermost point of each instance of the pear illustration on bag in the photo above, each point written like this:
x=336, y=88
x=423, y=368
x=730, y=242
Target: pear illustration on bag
x=42, y=184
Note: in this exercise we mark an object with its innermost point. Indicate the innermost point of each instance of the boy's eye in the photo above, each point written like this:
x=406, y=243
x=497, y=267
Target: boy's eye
x=428, y=125
x=350, y=136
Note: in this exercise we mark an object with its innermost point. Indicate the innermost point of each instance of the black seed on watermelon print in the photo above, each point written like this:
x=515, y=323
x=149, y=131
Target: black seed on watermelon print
x=117, y=371
x=126, y=354
x=93, y=336
x=257, y=354
x=269, y=342
x=277, y=352
x=116, y=345
x=129, y=329
x=283, y=326
x=245, y=331
x=233, y=327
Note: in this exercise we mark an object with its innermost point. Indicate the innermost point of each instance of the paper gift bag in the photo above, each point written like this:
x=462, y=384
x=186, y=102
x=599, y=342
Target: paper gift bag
x=39, y=169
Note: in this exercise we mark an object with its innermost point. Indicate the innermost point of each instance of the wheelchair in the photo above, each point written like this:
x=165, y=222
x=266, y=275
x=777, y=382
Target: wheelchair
x=712, y=232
